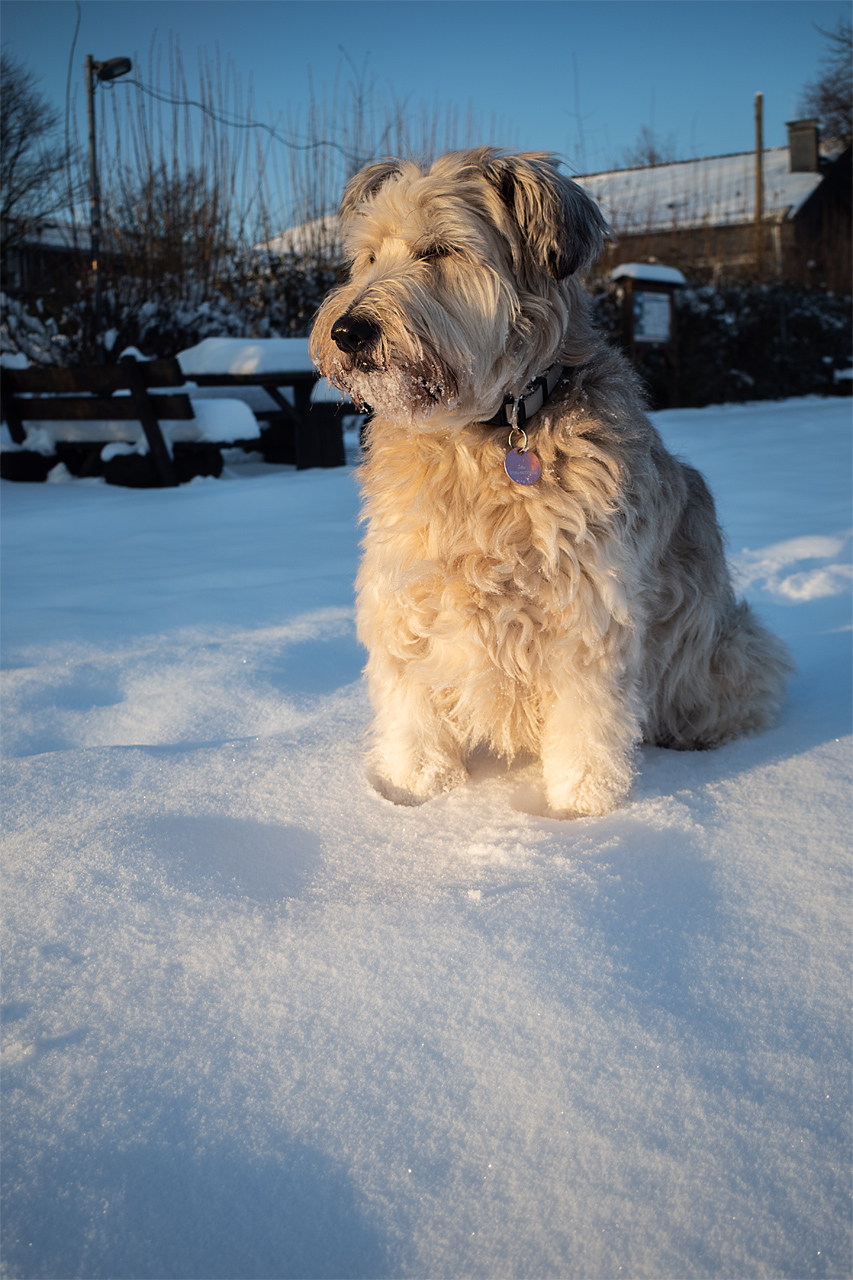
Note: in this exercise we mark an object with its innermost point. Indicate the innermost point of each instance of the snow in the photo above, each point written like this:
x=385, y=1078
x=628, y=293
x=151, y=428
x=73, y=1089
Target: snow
x=13, y=360
x=765, y=567
x=258, y=1022
x=229, y=356
x=219, y=421
x=648, y=271
x=239, y=356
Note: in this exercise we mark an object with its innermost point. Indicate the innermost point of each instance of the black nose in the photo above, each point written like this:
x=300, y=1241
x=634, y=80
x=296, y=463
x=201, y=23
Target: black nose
x=355, y=333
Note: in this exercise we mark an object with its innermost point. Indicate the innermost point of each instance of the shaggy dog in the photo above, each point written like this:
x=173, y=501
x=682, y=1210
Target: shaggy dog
x=539, y=575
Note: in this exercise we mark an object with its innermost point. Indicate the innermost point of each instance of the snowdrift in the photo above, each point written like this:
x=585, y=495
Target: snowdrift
x=258, y=1022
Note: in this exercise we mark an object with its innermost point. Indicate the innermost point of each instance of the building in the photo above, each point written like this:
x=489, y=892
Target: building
x=44, y=260
x=700, y=215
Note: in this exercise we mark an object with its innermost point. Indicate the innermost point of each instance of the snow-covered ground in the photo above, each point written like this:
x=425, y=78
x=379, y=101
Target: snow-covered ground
x=258, y=1022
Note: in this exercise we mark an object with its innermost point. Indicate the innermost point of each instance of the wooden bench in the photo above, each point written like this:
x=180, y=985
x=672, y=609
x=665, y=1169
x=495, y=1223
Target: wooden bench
x=88, y=395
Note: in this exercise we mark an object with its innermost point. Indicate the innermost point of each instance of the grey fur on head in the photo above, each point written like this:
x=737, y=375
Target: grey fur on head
x=564, y=229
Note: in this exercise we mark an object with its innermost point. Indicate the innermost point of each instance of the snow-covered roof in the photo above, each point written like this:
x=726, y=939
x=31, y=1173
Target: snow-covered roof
x=67, y=235
x=308, y=237
x=62, y=235
x=648, y=271
x=715, y=191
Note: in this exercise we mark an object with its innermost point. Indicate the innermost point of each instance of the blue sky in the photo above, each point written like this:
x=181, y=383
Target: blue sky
x=580, y=79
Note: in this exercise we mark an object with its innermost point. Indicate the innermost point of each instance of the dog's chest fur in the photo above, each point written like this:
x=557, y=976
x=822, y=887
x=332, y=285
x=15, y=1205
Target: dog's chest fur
x=470, y=578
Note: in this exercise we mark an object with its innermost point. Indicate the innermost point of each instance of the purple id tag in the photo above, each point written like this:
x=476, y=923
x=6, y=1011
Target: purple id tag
x=522, y=467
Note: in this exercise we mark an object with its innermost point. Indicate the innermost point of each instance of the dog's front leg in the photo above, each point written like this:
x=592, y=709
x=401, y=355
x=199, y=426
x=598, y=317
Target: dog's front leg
x=590, y=732
x=414, y=756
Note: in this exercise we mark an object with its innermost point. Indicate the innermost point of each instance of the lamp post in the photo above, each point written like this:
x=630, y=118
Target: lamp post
x=759, y=183
x=103, y=71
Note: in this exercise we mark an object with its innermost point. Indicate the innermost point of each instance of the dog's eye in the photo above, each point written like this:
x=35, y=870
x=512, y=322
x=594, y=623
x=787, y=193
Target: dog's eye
x=431, y=252
x=371, y=258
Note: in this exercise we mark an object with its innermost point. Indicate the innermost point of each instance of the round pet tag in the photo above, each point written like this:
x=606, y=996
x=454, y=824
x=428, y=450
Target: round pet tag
x=523, y=468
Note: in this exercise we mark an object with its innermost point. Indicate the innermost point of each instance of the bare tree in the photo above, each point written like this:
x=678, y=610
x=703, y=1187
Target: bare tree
x=170, y=223
x=649, y=149
x=179, y=186
x=32, y=164
x=830, y=96
x=208, y=214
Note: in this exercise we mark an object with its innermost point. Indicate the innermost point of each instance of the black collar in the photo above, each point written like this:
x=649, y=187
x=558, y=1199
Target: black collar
x=530, y=401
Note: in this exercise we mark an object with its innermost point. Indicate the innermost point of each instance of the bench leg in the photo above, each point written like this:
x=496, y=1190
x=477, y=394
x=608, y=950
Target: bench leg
x=150, y=423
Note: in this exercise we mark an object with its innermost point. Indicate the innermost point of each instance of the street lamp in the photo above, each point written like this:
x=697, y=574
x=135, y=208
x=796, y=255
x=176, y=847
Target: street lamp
x=103, y=71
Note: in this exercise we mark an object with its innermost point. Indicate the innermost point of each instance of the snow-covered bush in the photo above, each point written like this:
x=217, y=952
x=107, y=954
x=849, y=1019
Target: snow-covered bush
x=35, y=336
x=744, y=342
x=280, y=293
x=735, y=342
x=760, y=342
x=260, y=296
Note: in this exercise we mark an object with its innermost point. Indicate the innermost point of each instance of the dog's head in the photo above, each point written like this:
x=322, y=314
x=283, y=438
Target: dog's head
x=462, y=284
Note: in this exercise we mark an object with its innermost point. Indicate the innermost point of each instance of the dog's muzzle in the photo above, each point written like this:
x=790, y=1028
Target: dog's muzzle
x=354, y=334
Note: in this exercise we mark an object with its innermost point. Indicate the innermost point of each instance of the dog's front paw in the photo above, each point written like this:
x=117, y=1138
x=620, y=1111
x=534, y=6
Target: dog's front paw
x=590, y=791
x=416, y=787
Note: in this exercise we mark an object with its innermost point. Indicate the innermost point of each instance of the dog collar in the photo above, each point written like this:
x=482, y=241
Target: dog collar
x=516, y=411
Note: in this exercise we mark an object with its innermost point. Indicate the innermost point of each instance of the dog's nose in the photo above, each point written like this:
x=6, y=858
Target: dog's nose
x=354, y=333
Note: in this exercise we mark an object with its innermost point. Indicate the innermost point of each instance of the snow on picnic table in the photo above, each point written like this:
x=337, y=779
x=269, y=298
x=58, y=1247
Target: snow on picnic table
x=241, y=357
x=246, y=357
x=259, y=1022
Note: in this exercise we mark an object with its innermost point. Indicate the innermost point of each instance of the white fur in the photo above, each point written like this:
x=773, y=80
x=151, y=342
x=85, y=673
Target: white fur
x=571, y=618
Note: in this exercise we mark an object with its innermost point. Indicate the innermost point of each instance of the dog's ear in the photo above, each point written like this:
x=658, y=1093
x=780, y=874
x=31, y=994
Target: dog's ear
x=364, y=184
x=562, y=227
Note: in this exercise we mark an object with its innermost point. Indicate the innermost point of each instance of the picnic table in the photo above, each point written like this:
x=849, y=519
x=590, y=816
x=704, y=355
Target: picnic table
x=278, y=380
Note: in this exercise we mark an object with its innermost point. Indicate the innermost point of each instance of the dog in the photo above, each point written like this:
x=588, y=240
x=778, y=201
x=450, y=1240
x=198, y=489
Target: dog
x=540, y=575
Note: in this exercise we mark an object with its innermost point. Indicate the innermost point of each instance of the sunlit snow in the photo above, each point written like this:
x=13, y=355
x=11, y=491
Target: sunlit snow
x=259, y=1022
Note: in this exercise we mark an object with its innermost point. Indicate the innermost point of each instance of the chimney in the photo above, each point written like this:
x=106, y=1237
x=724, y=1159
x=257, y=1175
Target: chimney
x=803, y=145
